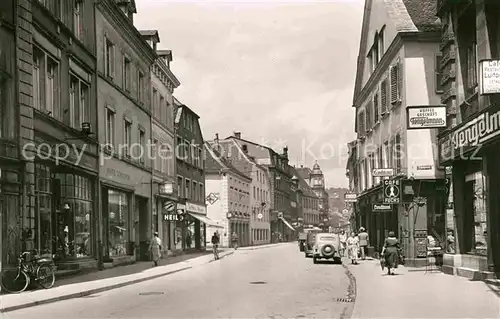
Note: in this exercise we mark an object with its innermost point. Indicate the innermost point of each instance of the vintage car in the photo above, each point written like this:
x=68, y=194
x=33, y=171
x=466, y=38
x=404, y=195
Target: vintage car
x=326, y=246
x=309, y=243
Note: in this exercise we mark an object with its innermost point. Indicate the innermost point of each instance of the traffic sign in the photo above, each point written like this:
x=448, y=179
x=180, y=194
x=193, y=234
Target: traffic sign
x=169, y=207
x=392, y=192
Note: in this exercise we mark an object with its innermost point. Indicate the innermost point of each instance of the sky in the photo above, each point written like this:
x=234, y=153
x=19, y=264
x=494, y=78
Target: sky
x=280, y=72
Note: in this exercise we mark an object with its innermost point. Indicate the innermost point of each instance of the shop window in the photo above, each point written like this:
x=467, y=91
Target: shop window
x=475, y=203
x=118, y=223
x=11, y=231
x=43, y=210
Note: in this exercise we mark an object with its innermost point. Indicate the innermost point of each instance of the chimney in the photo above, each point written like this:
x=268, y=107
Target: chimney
x=237, y=135
x=244, y=147
x=285, y=151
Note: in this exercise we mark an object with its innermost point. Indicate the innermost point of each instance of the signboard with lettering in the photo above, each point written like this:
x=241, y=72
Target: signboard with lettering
x=381, y=207
x=173, y=217
x=383, y=172
x=392, y=192
x=425, y=117
x=194, y=208
x=489, y=76
x=350, y=197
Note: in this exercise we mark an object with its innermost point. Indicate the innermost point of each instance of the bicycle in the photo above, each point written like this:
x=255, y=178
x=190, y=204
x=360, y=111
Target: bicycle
x=215, y=249
x=37, y=269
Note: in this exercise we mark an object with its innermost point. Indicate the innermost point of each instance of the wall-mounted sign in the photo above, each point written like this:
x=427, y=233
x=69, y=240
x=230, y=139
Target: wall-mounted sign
x=478, y=130
x=424, y=167
x=173, y=217
x=383, y=172
x=194, y=208
x=212, y=198
x=392, y=192
x=489, y=76
x=350, y=197
x=166, y=188
x=169, y=206
x=425, y=117
x=381, y=207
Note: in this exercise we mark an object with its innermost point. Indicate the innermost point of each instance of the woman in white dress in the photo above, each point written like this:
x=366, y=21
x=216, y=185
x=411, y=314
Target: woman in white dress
x=353, y=248
x=155, y=248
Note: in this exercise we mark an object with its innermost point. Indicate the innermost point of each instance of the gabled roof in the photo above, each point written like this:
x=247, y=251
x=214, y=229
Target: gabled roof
x=303, y=186
x=261, y=153
x=216, y=162
x=407, y=16
x=304, y=172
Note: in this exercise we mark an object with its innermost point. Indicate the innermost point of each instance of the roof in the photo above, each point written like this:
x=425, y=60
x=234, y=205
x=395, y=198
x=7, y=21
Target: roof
x=303, y=186
x=407, y=16
x=151, y=34
x=304, y=172
x=217, y=162
x=165, y=53
x=255, y=150
x=180, y=109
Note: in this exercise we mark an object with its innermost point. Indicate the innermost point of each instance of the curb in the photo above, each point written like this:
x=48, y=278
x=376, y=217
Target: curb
x=261, y=246
x=351, y=293
x=98, y=290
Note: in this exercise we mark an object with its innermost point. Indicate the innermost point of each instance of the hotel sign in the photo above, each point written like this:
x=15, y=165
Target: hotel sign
x=489, y=77
x=426, y=117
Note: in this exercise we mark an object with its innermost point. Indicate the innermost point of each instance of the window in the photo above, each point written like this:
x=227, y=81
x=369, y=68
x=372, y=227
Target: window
x=200, y=157
x=164, y=158
x=195, y=191
x=381, y=44
x=43, y=216
x=361, y=124
x=471, y=67
x=383, y=97
x=162, y=110
x=438, y=74
x=156, y=106
x=169, y=115
x=398, y=152
x=369, y=116
x=127, y=137
x=110, y=128
x=187, y=152
x=45, y=83
x=396, y=83
x=188, y=189
x=140, y=88
x=179, y=148
x=202, y=193
x=154, y=151
x=180, y=186
x=118, y=223
x=109, y=58
x=376, y=115
x=375, y=53
x=142, y=143
x=78, y=19
x=79, y=102
x=126, y=74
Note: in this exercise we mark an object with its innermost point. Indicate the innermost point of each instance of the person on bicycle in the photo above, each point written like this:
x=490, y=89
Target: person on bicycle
x=215, y=244
x=234, y=240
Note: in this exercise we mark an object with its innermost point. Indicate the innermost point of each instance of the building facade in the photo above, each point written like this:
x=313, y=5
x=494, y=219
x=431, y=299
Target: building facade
x=190, y=233
x=397, y=68
x=469, y=144
x=308, y=201
x=164, y=194
x=316, y=180
x=352, y=175
x=281, y=184
x=124, y=108
x=231, y=188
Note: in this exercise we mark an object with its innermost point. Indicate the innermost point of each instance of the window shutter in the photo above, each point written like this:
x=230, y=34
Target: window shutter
x=383, y=97
x=400, y=81
x=394, y=83
x=376, y=113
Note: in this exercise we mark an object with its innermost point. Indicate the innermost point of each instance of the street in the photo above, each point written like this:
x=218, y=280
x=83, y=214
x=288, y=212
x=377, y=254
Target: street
x=275, y=282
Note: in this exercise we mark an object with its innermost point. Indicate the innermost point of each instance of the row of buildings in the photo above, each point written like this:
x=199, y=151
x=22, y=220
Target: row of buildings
x=96, y=154
x=254, y=192
x=426, y=109
x=89, y=130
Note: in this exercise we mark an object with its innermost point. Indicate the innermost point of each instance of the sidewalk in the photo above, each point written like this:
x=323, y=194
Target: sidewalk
x=413, y=293
x=108, y=279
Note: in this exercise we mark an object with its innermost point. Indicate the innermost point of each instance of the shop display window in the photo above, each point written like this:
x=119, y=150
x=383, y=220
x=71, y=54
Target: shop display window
x=475, y=185
x=118, y=223
x=43, y=211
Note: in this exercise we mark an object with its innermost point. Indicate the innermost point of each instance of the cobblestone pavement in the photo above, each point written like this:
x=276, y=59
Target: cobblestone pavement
x=277, y=282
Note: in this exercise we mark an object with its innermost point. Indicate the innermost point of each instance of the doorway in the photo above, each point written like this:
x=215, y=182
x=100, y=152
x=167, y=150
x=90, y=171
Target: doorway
x=143, y=232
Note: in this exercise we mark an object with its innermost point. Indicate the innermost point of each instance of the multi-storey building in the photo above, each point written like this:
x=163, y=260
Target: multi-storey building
x=164, y=194
x=280, y=179
x=396, y=69
x=189, y=233
x=353, y=176
x=316, y=180
x=124, y=108
x=48, y=203
x=469, y=144
x=239, y=157
x=309, y=203
x=232, y=189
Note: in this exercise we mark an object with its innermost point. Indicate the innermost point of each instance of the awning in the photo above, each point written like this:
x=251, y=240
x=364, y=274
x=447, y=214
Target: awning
x=207, y=221
x=286, y=223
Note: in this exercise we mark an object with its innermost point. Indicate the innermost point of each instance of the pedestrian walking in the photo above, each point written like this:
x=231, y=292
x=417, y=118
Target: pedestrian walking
x=215, y=245
x=363, y=242
x=391, y=253
x=155, y=248
x=234, y=240
x=352, y=248
x=343, y=243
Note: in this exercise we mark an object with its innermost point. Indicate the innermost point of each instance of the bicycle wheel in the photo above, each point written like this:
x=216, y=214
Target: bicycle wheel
x=14, y=281
x=45, y=276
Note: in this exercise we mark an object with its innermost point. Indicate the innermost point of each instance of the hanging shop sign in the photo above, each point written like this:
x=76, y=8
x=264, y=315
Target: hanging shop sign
x=425, y=117
x=383, y=172
x=489, y=76
x=194, y=208
x=350, y=197
x=381, y=207
x=392, y=192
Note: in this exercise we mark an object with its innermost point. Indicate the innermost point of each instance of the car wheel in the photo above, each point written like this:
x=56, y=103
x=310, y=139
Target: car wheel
x=315, y=260
x=337, y=261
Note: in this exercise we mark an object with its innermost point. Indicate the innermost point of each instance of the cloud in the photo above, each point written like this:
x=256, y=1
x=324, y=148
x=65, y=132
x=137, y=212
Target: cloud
x=276, y=71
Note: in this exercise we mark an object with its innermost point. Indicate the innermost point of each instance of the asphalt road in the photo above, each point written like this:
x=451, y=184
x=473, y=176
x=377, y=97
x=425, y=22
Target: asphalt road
x=276, y=282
